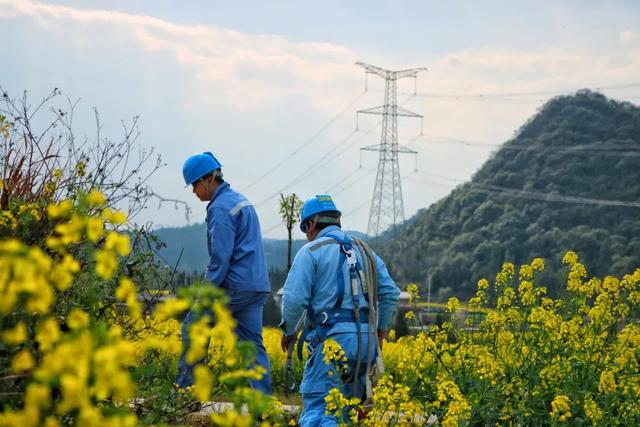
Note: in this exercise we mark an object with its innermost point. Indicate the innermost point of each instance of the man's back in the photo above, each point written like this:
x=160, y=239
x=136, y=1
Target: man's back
x=236, y=253
x=313, y=282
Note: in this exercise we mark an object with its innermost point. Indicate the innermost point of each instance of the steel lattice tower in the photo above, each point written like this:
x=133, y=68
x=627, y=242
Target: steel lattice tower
x=387, y=207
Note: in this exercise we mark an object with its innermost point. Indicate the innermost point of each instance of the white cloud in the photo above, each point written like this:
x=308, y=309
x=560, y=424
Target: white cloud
x=254, y=68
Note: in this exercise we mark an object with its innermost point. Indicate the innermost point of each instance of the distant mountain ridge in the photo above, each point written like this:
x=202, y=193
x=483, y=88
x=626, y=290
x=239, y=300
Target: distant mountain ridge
x=186, y=248
x=534, y=198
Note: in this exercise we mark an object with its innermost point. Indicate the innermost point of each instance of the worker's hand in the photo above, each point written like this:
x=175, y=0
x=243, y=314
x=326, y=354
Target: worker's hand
x=382, y=335
x=287, y=341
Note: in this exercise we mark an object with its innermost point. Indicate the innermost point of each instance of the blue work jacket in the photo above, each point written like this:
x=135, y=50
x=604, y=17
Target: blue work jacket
x=236, y=255
x=312, y=281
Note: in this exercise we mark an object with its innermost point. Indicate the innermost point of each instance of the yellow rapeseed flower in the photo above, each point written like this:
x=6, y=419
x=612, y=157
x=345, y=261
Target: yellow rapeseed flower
x=171, y=308
x=570, y=258
x=592, y=411
x=115, y=218
x=37, y=395
x=199, y=334
x=414, y=293
x=231, y=418
x=77, y=319
x=203, y=382
x=23, y=361
x=561, y=408
x=95, y=229
x=62, y=274
x=59, y=210
x=118, y=242
x=51, y=421
x=453, y=304
x=607, y=382
x=106, y=263
x=15, y=336
x=127, y=292
x=96, y=198
x=537, y=264
x=48, y=334
x=74, y=393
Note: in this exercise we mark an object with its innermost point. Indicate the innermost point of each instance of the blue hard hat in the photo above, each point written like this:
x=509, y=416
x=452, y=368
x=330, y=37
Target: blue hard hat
x=315, y=205
x=198, y=165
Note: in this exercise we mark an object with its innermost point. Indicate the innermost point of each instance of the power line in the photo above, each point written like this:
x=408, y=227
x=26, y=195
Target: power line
x=551, y=197
x=363, y=204
x=630, y=150
x=539, y=195
x=270, y=229
x=324, y=159
x=346, y=186
x=319, y=164
x=307, y=142
x=489, y=95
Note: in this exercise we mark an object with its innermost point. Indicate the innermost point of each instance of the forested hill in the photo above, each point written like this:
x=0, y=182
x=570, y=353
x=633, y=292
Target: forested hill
x=534, y=198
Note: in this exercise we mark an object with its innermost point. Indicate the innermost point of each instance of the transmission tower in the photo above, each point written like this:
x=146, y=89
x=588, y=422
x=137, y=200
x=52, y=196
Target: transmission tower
x=387, y=207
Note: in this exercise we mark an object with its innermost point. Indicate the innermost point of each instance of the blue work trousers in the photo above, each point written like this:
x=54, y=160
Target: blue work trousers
x=319, y=377
x=246, y=308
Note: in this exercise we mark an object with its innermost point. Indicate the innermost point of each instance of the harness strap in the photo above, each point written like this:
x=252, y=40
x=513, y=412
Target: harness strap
x=325, y=320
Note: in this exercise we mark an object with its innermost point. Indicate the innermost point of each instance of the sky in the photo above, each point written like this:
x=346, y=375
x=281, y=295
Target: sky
x=272, y=88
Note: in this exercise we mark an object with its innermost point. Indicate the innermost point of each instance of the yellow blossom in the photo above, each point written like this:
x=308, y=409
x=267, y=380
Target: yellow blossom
x=23, y=361
x=203, y=381
x=48, y=333
x=115, y=218
x=171, y=308
x=15, y=336
x=607, y=382
x=414, y=293
x=62, y=273
x=199, y=334
x=37, y=395
x=561, y=408
x=59, y=210
x=592, y=410
x=231, y=418
x=453, y=304
x=537, y=264
x=77, y=319
x=51, y=421
x=106, y=263
x=96, y=198
x=95, y=229
x=118, y=242
x=127, y=292
x=570, y=258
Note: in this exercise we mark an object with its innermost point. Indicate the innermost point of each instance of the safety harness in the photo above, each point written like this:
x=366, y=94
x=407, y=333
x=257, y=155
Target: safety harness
x=362, y=279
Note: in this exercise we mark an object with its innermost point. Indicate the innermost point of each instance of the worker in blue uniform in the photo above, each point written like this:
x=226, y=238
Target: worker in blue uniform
x=237, y=261
x=328, y=284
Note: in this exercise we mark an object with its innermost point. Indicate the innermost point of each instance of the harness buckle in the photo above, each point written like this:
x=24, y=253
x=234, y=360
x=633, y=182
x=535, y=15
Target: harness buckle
x=324, y=319
x=351, y=257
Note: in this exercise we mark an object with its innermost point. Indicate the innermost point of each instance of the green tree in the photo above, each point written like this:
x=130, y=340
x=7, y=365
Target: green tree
x=290, y=212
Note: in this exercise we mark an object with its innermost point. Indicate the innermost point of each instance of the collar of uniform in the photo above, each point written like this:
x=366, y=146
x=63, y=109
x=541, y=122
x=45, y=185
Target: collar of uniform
x=218, y=191
x=327, y=230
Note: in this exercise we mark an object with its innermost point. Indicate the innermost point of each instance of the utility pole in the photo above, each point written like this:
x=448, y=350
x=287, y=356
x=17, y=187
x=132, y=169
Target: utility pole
x=387, y=208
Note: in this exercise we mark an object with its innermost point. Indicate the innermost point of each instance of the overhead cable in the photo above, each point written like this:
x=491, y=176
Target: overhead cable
x=307, y=142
